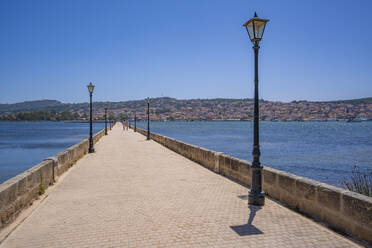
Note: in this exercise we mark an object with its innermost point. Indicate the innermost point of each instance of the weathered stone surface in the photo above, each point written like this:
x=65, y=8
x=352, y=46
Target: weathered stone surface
x=335, y=219
x=62, y=157
x=329, y=196
x=245, y=167
x=245, y=177
x=228, y=162
x=306, y=188
x=193, y=153
x=286, y=182
x=172, y=144
x=362, y=232
x=22, y=184
x=230, y=167
x=224, y=164
x=54, y=160
x=188, y=152
x=221, y=161
x=217, y=162
x=357, y=207
x=34, y=177
x=234, y=164
x=269, y=176
x=269, y=182
x=182, y=149
x=289, y=199
x=210, y=159
x=310, y=208
x=8, y=194
x=199, y=155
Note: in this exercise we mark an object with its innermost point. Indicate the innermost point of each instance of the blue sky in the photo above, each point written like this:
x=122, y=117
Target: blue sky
x=313, y=50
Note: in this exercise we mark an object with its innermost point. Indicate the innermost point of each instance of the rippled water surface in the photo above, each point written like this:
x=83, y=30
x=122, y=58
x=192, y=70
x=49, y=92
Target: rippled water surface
x=25, y=144
x=324, y=151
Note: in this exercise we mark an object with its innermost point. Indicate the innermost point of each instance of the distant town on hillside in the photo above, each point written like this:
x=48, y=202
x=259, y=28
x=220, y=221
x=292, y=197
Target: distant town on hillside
x=170, y=109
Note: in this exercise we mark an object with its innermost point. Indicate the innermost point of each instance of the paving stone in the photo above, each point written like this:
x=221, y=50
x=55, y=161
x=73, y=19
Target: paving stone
x=137, y=193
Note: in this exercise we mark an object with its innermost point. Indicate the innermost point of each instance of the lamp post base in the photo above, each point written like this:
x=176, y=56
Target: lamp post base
x=257, y=199
x=91, y=150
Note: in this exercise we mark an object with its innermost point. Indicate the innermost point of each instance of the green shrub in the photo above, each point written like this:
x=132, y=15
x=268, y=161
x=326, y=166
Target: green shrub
x=359, y=181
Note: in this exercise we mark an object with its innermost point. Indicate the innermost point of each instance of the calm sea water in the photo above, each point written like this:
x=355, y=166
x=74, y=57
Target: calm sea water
x=324, y=151
x=25, y=144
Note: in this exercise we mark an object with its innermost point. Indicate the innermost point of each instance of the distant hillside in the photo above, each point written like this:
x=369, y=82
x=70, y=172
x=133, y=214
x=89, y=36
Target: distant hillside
x=366, y=100
x=31, y=106
x=166, y=108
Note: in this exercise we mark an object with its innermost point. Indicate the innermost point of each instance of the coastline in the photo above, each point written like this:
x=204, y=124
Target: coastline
x=131, y=120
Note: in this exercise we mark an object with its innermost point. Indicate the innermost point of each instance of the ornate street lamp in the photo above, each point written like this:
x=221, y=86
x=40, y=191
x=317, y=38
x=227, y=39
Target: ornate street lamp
x=148, y=118
x=135, y=121
x=105, y=119
x=110, y=121
x=255, y=28
x=90, y=89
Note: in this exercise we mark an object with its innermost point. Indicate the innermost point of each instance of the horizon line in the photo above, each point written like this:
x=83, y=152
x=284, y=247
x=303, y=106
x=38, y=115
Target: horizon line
x=184, y=99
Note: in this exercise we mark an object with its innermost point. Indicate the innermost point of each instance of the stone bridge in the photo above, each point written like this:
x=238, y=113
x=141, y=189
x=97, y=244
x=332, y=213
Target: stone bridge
x=137, y=193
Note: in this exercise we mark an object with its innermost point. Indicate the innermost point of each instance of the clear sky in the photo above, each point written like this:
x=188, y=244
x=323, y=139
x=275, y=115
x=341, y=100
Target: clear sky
x=313, y=50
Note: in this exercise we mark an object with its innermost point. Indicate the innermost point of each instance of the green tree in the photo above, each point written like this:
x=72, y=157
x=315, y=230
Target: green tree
x=111, y=116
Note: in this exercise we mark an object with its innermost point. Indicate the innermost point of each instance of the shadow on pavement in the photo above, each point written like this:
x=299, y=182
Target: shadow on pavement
x=249, y=228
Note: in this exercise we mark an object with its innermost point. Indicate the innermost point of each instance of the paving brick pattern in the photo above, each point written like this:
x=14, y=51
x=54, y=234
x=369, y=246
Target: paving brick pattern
x=137, y=193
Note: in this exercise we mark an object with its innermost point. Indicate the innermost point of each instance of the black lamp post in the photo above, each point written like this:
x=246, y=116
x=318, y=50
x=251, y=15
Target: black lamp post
x=135, y=121
x=148, y=118
x=255, y=28
x=106, y=120
x=91, y=148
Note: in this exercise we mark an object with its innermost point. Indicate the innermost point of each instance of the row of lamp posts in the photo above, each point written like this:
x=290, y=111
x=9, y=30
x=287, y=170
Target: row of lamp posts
x=255, y=28
x=91, y=143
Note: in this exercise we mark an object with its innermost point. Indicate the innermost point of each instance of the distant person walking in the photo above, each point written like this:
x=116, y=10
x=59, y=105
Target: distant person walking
x=125, y=125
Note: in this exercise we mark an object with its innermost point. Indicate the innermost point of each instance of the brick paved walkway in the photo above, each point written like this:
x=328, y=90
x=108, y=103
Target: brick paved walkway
x=136, y=193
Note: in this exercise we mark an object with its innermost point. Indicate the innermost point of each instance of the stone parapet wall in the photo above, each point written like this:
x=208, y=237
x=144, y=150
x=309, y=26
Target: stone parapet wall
x=19, y=192
x=345, y=211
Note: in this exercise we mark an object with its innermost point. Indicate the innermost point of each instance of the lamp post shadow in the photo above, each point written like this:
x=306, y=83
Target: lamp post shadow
x=249, y=228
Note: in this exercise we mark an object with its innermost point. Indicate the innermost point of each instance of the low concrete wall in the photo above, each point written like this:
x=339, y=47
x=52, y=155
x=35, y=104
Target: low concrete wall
x=20, y=191
x=341, y=209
